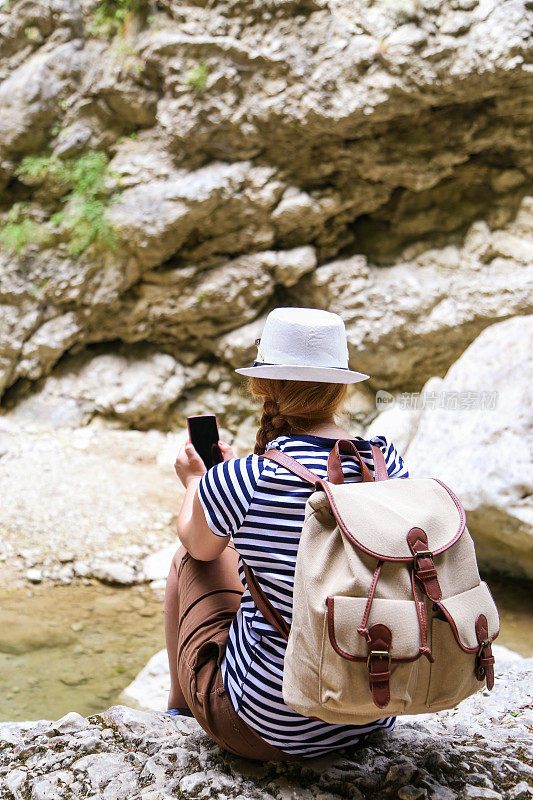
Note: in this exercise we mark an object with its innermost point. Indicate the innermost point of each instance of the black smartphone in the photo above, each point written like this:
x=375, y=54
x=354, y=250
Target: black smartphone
x=203, y=433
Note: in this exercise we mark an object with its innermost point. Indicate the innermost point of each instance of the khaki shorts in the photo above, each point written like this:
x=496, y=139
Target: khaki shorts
x=209, y=594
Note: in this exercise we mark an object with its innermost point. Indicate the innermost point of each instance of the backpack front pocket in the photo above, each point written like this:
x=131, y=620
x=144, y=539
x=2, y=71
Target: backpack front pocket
x=456, y=645
x=344, y=682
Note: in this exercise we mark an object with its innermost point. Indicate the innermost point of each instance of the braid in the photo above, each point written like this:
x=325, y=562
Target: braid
x=272, y=424
x=292, y=407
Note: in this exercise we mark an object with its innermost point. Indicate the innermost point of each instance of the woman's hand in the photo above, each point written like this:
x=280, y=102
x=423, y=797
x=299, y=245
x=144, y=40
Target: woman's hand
x=190, y=465
x=227, y=451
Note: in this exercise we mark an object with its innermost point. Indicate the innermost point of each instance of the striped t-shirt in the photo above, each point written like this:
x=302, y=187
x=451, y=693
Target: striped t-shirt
x=261, y=505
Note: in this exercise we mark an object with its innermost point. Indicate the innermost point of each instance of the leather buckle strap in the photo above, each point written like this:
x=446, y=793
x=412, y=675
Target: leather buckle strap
x=378, y=654
x=379, y=671
x=423, y=566
x=420, y=554
x=486, y=643
x=335, y=474
x=484, y=666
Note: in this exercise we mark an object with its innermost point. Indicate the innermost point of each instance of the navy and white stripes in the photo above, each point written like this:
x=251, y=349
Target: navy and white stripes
x=261, y=505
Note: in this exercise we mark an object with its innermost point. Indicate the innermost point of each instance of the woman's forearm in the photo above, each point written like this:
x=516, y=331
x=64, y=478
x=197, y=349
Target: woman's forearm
x=185, y=517
x=193, y=531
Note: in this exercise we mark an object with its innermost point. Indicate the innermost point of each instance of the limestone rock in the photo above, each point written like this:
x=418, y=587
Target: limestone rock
x=309, y=130
x=129, y=386
x=129, y=472
x=237, y=347
x=70, y=723
x=114, y=572
x=185, y=308
x=157, y=218
x=29, y=96
x=475, y=434
x=150, y=688
x=293, y=264
x=412, y=320
x=47, y=344
x=399, y=414
x=34, y=575
x=157, y=565
x=153, y=756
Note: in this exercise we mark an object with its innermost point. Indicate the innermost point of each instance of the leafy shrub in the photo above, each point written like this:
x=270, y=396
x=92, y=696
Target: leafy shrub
x=81, y=220
x=19, y=230
x=110, y=15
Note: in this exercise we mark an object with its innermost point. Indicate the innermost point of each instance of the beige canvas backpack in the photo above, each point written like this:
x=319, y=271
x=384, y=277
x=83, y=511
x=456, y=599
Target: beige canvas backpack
x=390, y=616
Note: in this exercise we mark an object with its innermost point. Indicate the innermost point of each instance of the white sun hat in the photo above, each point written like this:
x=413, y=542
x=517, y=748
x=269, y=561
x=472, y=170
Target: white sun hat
x=303, y=344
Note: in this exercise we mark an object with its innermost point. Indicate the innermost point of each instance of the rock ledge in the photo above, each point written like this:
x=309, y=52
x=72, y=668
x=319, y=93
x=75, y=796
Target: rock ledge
x=479, y=750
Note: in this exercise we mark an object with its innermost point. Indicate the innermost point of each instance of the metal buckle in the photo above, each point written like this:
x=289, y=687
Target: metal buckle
x=380, y=654
x=420, y=553
x=483, y=644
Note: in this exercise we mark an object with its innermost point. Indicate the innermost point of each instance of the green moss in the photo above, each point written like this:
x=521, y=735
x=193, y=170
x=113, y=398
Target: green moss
x=86, y=224
x=196, y=78
x=110, y=15
x=81, y=220
x=20, y=230
x=32, y=32
x=15, y=236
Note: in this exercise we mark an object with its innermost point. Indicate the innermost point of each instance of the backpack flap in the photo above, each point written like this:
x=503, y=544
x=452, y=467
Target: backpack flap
x=462, y=611
x=345, y=613
x=377, y=516
x=475, y=623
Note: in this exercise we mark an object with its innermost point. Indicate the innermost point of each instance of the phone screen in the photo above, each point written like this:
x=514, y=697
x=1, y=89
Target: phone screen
x=203, y=433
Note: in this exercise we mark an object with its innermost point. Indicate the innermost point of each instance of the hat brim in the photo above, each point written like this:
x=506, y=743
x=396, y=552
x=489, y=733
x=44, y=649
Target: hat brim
x=289, y=372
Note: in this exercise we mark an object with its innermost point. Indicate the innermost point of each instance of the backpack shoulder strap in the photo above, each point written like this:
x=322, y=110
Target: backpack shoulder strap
x=292, y=465
x=380, y=465
x=270, y=613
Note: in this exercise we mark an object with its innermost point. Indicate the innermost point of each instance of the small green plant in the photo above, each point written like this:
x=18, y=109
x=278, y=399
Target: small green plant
x=36, y=288
x=86, y=224
x=18, y=232
x=196, y=78
x=110, y=15
x=81, y=219
x=32, y=32
x=41, y=166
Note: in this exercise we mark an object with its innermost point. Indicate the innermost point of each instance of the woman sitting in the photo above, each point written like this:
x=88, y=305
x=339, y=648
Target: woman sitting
x=226, y=659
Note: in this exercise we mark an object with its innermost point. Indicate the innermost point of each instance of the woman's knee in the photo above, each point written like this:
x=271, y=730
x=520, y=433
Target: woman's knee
x=177, y=558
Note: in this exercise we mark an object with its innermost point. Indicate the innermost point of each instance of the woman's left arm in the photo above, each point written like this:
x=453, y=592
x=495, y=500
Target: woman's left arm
x=193, y=531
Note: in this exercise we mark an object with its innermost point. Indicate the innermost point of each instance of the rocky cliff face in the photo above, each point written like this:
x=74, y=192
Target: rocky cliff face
x=170, y=171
